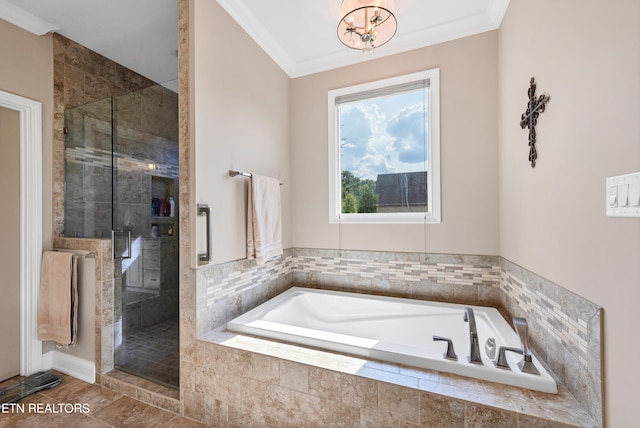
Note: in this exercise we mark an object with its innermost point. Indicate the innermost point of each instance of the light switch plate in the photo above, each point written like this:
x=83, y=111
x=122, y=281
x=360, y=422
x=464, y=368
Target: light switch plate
x=623, y=195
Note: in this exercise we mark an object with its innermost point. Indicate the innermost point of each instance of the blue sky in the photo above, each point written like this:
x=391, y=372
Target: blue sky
x=384, y=135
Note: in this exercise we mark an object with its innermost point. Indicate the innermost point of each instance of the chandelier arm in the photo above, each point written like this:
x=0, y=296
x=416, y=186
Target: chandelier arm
x=358, y=28
x=354, y=32
x=385, y=20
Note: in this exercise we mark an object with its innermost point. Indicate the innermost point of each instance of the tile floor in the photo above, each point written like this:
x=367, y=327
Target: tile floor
x=152, y=353
x=97, y=406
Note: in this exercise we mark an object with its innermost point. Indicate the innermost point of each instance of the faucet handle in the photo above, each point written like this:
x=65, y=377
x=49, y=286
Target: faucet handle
x=450, y=353
x=501, y=361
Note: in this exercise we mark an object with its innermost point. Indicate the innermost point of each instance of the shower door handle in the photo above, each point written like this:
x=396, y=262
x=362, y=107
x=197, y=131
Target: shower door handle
x=114, y=232
x=204, y=258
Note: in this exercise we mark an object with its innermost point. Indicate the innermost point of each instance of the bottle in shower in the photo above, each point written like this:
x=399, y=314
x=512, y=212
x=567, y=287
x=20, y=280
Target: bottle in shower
x=172, y=207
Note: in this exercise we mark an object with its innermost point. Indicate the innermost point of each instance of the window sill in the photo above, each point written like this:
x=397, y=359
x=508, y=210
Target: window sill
x=387, y=218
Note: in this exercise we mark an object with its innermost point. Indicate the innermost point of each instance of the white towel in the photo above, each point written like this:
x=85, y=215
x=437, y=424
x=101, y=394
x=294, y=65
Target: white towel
x=264, y=224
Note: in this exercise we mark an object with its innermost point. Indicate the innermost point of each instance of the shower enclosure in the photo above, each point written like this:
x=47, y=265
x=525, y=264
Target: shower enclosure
x=121, y=182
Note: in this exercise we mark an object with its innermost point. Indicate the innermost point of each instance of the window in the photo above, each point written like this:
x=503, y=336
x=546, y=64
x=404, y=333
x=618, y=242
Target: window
x=384, y=151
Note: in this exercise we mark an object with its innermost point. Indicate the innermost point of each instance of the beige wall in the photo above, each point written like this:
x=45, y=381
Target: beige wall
x=27, y=70
x=552, y=217
x=10, y=233
x=469, y=168
x=10, y=183
x=240, y=105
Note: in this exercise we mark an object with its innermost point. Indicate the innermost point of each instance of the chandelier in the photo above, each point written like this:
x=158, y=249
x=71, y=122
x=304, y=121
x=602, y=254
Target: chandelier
x=366, y=24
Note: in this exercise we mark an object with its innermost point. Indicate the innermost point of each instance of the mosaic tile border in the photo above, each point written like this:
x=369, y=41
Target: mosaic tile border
x=242, y=281
x=103, y=158
x=441, y=273
x=549, y=314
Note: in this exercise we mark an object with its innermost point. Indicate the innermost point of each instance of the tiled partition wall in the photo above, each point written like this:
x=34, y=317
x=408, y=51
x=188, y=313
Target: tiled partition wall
x=104, y=296
x=564, y=328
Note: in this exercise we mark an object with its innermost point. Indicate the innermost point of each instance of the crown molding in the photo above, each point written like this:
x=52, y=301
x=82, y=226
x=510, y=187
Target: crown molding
x=25, y=20
x=254, y=28
x=489, y=20
x=401, y=43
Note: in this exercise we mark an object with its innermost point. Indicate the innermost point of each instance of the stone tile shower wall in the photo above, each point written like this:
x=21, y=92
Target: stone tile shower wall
x=88, y=174
x=82, y=77
x=564, y=328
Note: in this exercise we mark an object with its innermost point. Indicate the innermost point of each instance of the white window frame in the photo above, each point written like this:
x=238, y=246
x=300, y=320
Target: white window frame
x=433, y=149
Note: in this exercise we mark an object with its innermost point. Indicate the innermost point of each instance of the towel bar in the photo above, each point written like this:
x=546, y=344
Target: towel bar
x=82, y=254
x=233, y=173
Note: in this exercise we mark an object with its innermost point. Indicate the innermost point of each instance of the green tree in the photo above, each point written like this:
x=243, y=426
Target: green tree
x=371, y=184
x=368, y=199
x=349, y=203
x=350, y=183
x=358, y=196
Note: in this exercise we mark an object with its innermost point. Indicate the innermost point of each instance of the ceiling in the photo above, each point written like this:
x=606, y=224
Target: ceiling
x=140, y=34
x=300, y=35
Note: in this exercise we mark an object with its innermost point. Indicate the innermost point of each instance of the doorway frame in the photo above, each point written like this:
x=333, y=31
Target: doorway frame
x=30, y=112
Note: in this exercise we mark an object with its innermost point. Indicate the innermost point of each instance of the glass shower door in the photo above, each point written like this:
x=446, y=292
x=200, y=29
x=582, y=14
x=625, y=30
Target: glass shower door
x=145, y=213
x=121, y=182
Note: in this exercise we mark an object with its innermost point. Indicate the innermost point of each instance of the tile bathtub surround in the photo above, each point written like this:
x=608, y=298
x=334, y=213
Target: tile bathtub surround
x=235, y=380
x=564, y=328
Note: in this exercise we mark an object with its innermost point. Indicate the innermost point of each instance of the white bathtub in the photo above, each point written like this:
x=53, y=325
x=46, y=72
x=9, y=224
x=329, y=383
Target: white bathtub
x=390, y=329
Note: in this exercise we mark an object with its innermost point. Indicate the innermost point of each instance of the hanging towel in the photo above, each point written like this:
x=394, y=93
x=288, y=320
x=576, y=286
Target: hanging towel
x=58, y=304
x=264, y=225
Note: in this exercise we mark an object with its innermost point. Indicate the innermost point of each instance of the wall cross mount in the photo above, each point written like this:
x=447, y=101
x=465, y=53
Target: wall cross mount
x=529, y=118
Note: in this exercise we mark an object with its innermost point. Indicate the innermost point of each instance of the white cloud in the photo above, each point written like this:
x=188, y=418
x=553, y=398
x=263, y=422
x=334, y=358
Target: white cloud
x=383, y=135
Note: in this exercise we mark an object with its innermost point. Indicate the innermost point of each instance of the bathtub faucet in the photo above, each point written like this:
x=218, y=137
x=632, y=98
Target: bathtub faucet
x=474, y=356
x=522, y=328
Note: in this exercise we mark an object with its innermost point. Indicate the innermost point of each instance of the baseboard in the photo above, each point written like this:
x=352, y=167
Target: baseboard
x=68, y=364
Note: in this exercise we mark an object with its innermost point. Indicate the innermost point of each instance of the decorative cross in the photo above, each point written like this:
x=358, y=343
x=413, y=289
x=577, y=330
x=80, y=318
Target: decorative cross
x=529, y=119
